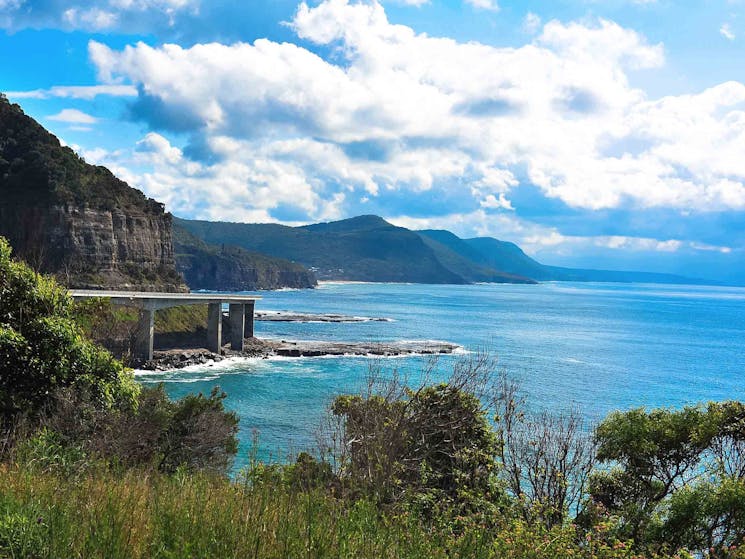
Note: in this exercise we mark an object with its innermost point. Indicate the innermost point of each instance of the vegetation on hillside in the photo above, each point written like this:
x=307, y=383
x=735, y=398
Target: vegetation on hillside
x=92, y=466
x=36, y=170
x=364, y=248
x=368, y=248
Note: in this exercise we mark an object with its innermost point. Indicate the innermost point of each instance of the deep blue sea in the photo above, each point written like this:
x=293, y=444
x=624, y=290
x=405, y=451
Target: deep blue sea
x=598, y=346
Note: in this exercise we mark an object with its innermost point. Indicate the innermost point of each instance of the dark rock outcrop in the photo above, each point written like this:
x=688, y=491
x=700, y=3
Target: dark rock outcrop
x=75, y=220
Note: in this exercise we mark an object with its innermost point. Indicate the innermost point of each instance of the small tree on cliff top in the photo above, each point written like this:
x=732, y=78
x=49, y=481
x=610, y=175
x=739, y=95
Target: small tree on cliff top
x=42, y=349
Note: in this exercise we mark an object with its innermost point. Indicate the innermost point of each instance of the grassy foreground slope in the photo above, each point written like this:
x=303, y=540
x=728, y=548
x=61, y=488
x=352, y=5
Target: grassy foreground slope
x=141, y=516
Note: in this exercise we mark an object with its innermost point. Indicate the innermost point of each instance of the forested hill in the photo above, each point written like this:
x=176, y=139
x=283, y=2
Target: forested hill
x=365, y=248
x=76, y=220
x=368, y=248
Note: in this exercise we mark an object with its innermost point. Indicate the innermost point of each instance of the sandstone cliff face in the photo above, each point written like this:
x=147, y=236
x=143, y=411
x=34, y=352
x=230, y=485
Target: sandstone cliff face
x=217, y=272
x=92, y=248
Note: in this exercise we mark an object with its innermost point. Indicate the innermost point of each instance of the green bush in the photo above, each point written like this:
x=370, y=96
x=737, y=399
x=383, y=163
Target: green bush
x=676, y=477
x=434, y=449
x=43, y=349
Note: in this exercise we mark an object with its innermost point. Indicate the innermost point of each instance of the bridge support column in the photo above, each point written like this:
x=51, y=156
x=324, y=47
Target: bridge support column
x=214, y=327
x=237, y=325
x=145, y=334
x=248, y=331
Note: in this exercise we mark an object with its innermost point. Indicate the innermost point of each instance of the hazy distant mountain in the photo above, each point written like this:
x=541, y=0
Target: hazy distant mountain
x=511, y=258
x=457, y=255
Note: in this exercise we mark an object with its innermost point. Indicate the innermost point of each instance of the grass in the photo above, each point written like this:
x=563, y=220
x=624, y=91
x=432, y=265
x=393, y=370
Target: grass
x=183, y=319
x=133, y=515
x=146, y=515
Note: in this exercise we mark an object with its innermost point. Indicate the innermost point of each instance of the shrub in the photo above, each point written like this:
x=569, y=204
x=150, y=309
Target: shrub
x=43, y=349
x=676, y=477
x=193, y=433
x=432, y=448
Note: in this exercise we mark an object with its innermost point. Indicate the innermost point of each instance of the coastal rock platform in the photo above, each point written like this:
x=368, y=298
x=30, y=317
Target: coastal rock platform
x=290, y=316
x=255, y=347
x=384, y=349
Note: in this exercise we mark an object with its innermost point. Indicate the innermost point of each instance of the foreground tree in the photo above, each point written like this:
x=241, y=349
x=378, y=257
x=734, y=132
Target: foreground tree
x=546, y=457
x=431, y=447
x=674, y=478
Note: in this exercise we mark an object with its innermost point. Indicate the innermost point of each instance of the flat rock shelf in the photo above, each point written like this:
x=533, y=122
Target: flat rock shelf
x=290, y=316
x=254, y=347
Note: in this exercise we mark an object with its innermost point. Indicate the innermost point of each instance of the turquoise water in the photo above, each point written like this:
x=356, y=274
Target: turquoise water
x=598, y=346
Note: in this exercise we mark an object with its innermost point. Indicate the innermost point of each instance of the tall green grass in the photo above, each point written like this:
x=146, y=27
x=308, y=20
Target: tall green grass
x=134, y=515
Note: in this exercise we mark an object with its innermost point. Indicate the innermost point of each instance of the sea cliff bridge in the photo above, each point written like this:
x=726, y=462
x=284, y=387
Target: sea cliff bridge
x=240, y=316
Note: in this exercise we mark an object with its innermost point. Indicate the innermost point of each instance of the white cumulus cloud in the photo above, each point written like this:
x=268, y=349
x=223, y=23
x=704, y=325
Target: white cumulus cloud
x=73, y=116
x=91, y=15
x=726, y=31
x=395, y=111
x=484, y=4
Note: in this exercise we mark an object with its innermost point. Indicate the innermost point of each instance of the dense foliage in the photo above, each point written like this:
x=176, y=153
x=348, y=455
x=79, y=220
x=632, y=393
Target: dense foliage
x=677, y=477
x=42, y=349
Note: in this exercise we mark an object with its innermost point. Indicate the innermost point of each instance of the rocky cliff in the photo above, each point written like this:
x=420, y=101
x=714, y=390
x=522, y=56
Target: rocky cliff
x=231, y=268
x=76, y=220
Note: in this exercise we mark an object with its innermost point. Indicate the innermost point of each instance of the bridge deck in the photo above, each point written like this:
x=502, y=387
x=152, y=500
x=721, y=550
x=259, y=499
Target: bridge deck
x=160, y=300
x=241, y=314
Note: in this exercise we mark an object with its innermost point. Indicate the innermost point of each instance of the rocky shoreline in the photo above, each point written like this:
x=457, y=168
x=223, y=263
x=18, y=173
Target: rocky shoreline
x=290, y=316
x=179, y=358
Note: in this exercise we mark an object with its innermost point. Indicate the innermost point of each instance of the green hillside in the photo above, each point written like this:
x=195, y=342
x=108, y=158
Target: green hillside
x=365, y=248
x=456, y=254
x=368, y=248
x=506, y=256
x=35, y=169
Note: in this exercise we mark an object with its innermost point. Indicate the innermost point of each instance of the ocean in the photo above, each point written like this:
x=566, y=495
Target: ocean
x=596, y=346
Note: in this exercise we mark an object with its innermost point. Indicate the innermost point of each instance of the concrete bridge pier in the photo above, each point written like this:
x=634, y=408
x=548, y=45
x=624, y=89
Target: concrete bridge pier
x=145, y=334
x=214, y=327
x=237, y=317
x=248, y=330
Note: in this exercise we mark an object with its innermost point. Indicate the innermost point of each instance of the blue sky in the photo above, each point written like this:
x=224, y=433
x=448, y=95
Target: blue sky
x=606, y=133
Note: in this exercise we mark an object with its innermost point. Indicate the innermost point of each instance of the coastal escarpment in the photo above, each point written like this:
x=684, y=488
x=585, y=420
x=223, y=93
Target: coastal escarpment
x=92, y=247
x=231, y=268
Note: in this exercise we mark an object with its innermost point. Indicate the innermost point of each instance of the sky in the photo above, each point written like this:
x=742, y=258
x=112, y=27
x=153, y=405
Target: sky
x=593, y=133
